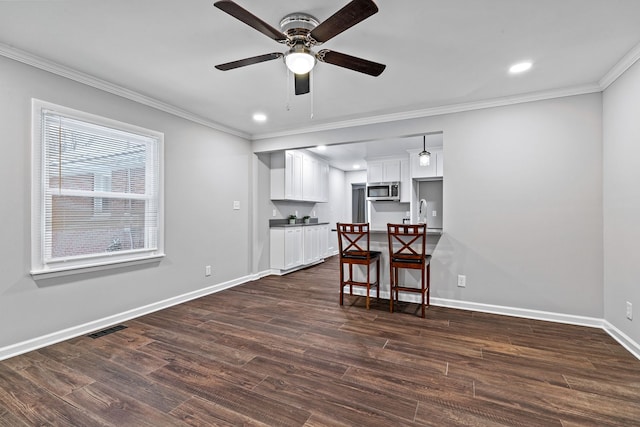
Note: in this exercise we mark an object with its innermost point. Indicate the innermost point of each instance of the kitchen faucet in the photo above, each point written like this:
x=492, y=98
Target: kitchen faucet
x=422, y=212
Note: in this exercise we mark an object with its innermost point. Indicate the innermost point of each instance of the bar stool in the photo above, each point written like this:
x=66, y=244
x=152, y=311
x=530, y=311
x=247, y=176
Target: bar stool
x=407, y=249
x=353, y=246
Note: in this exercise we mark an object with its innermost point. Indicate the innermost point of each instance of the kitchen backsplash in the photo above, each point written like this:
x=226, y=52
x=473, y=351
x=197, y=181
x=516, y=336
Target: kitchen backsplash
x=381, y=213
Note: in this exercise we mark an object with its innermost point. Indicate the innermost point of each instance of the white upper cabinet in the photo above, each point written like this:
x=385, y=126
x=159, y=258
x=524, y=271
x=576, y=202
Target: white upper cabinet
x=384, y=170
x=433, y=170
x=298, y=176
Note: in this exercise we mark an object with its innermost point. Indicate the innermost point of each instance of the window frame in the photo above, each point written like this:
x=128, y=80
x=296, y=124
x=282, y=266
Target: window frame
x=40, y=267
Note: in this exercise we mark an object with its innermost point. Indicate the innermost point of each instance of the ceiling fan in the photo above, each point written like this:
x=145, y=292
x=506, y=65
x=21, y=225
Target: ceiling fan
x=301, y=33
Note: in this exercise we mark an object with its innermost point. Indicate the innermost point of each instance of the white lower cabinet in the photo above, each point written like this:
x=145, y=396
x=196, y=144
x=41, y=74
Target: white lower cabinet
x=292, y=247
x=311, y=244
x=286, y=247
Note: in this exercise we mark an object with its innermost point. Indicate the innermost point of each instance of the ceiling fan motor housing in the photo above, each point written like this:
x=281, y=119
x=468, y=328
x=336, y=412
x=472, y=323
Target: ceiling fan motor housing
x=297, y=27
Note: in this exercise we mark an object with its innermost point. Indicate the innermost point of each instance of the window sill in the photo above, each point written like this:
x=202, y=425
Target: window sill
x=48, y=273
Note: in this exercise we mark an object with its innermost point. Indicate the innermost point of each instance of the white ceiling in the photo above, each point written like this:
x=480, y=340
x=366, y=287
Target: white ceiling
x=438, y=53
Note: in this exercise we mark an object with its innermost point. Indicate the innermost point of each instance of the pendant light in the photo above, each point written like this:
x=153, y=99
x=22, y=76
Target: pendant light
x=424, y=155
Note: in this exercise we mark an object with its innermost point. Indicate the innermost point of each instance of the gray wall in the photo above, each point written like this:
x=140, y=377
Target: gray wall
x=523, y=198
x=522, y=201
x=622, y=201
x=205, y=170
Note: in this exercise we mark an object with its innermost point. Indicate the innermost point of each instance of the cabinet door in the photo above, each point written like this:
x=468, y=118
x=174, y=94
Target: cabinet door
x=288, y=175
x=297, y=176
x=383, y=171
x=308, y=245
x=289, y=248
x=375, y=171
x=309, y=178
x=311, y=244
x=391, y=171
x=293, y=247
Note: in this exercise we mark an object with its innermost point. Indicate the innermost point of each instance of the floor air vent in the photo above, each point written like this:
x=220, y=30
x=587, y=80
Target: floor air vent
x=107, y=331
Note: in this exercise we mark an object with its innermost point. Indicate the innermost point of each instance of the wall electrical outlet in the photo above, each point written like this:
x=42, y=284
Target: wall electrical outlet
x=434, y=213
x=207, y=270
x=462, y=281
x=274, y=214
x=629, y=311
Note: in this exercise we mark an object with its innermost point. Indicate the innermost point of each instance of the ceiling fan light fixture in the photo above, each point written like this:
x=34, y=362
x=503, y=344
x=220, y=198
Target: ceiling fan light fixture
x=300, y=60
x=424, y=156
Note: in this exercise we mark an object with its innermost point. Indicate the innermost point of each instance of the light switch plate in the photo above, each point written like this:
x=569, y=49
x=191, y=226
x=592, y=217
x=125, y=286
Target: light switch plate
x=236, y=205
x=462, y=281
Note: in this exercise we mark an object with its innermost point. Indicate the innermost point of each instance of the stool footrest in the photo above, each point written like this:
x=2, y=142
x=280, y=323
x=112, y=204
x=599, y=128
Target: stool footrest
x=354, y=283
x=405, y=289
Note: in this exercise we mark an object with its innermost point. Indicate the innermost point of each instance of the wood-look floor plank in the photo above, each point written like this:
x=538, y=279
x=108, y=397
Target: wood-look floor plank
x=35, y=405
x=282, y=351
x=204, y=413
x=51, y=375
x=464, y=411
x=130, y=382
x=335, y=407
x=118, y=408
x=235, y=398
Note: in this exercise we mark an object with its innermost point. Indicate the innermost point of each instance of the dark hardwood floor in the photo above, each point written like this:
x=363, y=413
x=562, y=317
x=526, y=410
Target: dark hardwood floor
x=281, y=351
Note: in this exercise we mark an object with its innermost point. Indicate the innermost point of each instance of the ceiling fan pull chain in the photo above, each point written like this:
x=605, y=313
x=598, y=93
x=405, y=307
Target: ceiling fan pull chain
x=311, y=95
x=288, y=89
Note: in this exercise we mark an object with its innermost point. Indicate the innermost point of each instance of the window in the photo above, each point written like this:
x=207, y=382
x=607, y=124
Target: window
x=96, y=191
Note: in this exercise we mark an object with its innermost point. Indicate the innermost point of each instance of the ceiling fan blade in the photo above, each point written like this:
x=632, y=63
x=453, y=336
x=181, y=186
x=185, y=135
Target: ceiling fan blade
x=250, y=19
x=249, y=61
x=302, y=83
x=351, y=62
x=354, y=12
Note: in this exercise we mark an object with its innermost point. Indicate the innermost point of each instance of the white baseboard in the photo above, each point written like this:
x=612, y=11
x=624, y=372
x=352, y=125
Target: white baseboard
x=624, y=340
x=548, y=316
x=278, y=272
x=96, y=325
x=594, y=322
x=99, y=324
x=262, y=274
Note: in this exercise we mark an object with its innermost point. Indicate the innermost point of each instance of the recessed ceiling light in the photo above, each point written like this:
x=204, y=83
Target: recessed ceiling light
x=259, y=117
x=356, y=166
x=321, y=147
x=520, y=67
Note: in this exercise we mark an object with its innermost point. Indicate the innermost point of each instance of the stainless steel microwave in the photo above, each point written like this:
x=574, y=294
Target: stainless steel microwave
x=383, y=191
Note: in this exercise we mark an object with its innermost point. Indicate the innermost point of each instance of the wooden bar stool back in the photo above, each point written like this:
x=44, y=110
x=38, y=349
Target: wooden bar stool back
x=353, y=247
x=407, y=249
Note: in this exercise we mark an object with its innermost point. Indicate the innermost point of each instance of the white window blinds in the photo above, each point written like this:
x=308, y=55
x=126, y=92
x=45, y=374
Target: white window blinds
x=99, y=196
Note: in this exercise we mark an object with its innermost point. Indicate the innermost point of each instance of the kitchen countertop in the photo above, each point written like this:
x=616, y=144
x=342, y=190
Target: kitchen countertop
x=283, y=223
x=430, y=231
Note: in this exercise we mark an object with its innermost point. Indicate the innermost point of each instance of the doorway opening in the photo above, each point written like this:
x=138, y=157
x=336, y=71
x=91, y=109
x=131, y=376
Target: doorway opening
x=358, y=203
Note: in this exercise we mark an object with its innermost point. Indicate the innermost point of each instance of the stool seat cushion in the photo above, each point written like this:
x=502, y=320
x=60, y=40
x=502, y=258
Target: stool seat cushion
x=410, y=260
x=361, y=254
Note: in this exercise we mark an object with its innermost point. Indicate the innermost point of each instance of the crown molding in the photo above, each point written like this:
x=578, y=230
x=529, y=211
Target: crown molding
x=437, y=111
x=69, y=73
x=44, y=64
x=623, y=65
